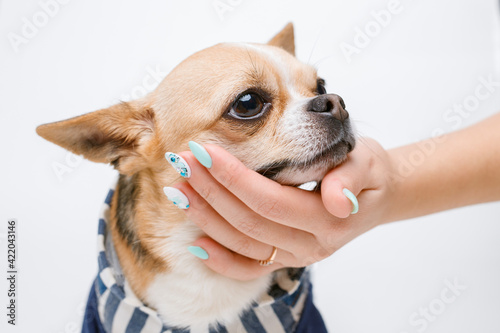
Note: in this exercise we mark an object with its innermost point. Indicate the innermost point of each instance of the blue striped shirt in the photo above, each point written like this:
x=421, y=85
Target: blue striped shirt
x=111, y=308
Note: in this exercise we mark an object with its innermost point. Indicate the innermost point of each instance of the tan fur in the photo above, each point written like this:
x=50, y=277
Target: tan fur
x=139, y=273
x=285, y=39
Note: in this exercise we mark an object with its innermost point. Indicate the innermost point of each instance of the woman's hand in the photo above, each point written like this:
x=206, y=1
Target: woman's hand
x=245, y=214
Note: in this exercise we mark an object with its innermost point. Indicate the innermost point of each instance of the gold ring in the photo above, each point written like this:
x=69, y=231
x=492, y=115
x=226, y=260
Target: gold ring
x=269, y=261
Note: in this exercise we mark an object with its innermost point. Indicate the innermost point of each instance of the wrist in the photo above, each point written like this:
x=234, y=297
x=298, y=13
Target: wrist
x=393, y=191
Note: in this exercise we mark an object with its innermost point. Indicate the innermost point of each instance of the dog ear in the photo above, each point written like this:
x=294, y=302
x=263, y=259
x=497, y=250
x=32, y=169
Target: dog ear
x=116, y=135
x=285, y=39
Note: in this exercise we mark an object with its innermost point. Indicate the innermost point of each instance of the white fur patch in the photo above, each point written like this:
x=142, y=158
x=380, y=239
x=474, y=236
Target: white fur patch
x=191, y=294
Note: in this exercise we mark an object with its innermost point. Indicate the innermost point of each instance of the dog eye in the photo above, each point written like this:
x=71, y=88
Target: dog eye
x=320, y=87
x=248, y=106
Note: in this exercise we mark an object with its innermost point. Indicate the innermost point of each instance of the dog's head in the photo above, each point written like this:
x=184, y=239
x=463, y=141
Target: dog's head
x=256, y=101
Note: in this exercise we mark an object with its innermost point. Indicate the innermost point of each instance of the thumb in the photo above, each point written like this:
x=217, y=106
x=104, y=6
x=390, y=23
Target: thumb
x=341, y=186
x=338, y=198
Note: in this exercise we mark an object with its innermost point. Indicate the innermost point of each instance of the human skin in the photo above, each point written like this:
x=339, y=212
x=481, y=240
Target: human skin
x=245, y=214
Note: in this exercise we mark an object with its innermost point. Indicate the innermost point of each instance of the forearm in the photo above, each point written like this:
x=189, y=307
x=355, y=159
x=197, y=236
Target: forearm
x=458, y=169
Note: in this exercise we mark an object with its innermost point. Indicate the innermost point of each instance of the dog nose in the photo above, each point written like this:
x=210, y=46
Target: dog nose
x=330, y=103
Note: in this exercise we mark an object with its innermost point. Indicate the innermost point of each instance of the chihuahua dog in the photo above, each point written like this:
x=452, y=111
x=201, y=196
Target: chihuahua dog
x=259, y=103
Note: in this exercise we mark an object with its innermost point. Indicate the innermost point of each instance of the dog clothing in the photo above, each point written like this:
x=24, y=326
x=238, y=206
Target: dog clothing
x=113, y=308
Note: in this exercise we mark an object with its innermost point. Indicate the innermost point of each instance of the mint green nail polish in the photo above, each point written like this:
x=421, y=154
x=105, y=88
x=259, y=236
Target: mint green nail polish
x=201, y=154
x=199, y=252
x=353, y=199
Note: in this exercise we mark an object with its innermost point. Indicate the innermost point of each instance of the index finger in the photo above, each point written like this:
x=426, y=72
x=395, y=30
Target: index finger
x=283, y=204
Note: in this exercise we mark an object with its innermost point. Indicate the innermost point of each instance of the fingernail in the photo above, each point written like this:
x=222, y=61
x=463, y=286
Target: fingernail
x=201, y=154
x=179, y=164
x=353, y=199
x=199, y=252
x=177, y=197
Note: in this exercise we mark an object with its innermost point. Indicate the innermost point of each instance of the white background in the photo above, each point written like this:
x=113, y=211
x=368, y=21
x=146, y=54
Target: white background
x=91, y=54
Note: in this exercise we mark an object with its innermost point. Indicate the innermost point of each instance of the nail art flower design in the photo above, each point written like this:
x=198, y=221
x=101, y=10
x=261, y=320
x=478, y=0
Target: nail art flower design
x=179, y=164
x=177, y=197
x=178, y=202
